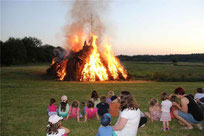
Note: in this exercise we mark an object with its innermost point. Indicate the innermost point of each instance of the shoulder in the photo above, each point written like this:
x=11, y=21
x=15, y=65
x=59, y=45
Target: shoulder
x=127, y=112
x=61, y=132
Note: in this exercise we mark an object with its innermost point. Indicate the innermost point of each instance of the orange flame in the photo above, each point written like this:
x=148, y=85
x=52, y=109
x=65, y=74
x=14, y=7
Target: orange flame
x=114, y=65
x=61, y=69
x=94, y=67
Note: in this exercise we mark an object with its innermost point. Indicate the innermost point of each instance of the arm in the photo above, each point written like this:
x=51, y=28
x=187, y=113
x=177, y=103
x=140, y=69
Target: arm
x=97, y=116
x=68, y=114
x=85, y=117
x=151, y=115
x=78, y=116
x=183, y=107
x=120, y=125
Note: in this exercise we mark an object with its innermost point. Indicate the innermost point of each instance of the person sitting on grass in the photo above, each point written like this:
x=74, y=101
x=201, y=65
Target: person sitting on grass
x=74, y=111
x=95, y=98
x=105, y=129
x=91, y=111
x=102, y=107
x=188, y=112
x=114, y=106
x=64, y=106
x=199, y=96
x=154, y=110
x=110, y=94
x=52, y=108
x=173, y=98
x=55, y=128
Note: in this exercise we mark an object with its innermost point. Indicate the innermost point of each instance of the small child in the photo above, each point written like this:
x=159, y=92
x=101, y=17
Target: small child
x=102, y=107
x=64, y=106
x=154, y=110
x=199, y=96
x=91, y=111
x=173, y=98
x=165, y=116
x=74, y=111
x=52, y=108
x=114, y=106
x=110, y=94
x=105, y=129
x=95, y=98
x=55, y=128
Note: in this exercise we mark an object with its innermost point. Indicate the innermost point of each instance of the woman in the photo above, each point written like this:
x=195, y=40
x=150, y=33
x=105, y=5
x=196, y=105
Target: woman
x=129, y=118
x=188, y=112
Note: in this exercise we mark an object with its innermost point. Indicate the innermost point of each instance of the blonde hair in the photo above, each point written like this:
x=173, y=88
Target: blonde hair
x=110, y=94
x=152, y=102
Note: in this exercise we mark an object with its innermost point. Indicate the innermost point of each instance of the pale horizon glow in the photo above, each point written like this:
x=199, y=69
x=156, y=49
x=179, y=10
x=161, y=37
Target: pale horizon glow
x=135, y=27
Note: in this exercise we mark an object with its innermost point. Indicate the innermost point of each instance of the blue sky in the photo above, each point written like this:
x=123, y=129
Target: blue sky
x=134, y=26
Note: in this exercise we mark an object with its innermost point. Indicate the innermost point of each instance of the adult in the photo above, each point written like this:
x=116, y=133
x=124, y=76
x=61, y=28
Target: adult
x=129, y=118
x=188, y=112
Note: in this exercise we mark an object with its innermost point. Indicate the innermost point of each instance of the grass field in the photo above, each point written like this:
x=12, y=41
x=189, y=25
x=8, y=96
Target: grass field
x=25, y=95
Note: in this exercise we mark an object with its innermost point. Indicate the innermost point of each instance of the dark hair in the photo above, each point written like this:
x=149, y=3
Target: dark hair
x=90, y=104
x=199, y=90
x=179, y=91
x=94, y=95
x=153, y=101
x=75, y=104
x=127, y=101
x=52, y=100
x=63, y=106
x=103, y=99
x=174, y=98
x=52, y=128
x=164, y=96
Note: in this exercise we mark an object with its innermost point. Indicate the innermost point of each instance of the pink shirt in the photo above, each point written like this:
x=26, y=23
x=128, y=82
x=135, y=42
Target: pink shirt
x=91, y=113
x=74, y=111
x=52, y=108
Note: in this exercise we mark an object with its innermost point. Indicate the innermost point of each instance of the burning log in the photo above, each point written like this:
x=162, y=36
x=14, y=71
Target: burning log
x=88, y=64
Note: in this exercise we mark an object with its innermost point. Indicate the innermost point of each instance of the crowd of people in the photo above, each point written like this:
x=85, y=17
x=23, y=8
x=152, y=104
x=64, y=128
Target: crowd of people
x=186, y=108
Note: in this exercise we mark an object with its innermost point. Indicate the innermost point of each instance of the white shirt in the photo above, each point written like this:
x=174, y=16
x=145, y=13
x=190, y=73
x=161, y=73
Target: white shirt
x=166, y=105
x=132, y=124
x=199, y=96
x=60, y=133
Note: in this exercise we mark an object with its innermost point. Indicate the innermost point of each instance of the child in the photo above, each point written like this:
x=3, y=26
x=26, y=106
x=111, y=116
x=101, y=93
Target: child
x=114, y=106
x=52, y=108
x=91, y=111
x=102, y=107
x=63, y=107
x=199, y=96
x=173, y=98
x=154, y=110
x=55, y=128
x=105, y=129
x=95, y=98
x=110, y=94
x=74, y=111
x=165, y=116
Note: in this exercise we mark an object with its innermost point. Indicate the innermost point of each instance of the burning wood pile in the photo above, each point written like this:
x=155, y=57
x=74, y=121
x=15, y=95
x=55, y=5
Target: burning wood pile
x=88, y=64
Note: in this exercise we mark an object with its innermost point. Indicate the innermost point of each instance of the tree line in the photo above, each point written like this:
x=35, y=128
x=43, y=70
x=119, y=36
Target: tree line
x=16, y=51
x=164, y=58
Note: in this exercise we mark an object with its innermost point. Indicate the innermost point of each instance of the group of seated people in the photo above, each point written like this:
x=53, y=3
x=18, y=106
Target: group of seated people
x=179, y=105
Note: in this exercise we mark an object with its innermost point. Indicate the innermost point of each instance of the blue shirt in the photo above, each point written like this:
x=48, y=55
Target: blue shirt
x=105, y=131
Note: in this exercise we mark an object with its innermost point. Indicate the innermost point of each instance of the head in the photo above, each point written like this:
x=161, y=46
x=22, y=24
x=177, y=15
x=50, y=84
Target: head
x=54, y=123
x=52, y=101
x=199, y=90
x=164, y=96
x=106, y=119
x=127, y=101
x=173, y=98
x=75, y=104
x=103, y=99
x=90, y=104
x=114, y=98
x=110, y=94
x=64, y=98
x=153, y=102
x=94, y=95
x=179, y=91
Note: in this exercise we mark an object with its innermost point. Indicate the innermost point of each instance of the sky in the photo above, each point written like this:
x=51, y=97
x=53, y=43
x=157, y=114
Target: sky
x=135, y=27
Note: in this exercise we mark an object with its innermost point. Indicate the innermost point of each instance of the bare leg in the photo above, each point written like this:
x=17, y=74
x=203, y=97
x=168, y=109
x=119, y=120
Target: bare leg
x=164, y=125
x=181, y=119
x=147, y=114
x=167, y=125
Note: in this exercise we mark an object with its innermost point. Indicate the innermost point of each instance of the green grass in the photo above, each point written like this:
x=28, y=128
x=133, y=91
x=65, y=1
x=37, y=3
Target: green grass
x=25, y=95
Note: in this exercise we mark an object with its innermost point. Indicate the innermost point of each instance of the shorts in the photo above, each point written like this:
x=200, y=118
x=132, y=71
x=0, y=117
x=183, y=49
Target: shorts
x=188, y=117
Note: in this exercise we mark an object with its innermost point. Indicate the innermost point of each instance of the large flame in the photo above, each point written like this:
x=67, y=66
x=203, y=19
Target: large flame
x=94, y=67
x=61, y=69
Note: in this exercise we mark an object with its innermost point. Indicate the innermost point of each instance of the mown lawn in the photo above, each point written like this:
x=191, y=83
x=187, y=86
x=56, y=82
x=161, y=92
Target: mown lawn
x=25, y=95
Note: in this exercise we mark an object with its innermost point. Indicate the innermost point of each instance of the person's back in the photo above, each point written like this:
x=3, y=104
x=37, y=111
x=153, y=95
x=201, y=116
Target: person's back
x=63, y=109
x=91, y=112
x=105, y=131
x=114, y=107
x=102, y=108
